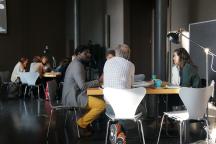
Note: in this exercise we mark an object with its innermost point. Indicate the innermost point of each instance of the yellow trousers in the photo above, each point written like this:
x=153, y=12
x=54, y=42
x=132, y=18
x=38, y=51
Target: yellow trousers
x=95, y=107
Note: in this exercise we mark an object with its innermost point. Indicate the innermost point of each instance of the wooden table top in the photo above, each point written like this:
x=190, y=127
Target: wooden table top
x=99, y=91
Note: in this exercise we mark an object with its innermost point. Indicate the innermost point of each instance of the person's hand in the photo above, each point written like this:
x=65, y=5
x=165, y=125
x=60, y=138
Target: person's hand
x=100, y=79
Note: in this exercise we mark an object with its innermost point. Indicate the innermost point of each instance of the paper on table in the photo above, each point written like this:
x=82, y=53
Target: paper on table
x=172, y=86
x=142, y=84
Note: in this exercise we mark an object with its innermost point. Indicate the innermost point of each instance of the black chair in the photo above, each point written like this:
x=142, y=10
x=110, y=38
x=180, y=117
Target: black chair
x=52, y=89
x=5, y=77
x=9, y=89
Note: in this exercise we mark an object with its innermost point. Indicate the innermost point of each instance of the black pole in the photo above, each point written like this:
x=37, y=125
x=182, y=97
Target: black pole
x=160, y=31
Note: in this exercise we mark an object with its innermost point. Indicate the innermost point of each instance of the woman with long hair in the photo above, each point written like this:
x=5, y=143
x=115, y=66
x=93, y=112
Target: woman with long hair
x=188, y=72
x=19, y=68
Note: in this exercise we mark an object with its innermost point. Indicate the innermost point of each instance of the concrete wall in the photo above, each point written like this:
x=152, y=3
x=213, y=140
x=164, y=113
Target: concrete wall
x=92, y=14
x=115, y=8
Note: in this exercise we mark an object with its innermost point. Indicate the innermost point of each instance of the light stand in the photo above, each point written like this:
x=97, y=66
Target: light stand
x=174, y=37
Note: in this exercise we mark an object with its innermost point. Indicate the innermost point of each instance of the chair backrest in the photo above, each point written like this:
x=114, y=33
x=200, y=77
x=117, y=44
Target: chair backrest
x=5, y=76
x=29, y=78
x=52, y=91
x=124, y=101
x=196, y=100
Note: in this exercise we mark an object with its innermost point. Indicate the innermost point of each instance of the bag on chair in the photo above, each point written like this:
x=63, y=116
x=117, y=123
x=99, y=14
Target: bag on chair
x=13, y=90
x=115, y=132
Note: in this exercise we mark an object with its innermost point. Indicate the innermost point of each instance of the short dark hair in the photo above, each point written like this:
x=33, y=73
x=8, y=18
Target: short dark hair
x=110, y=51
x=81, y=49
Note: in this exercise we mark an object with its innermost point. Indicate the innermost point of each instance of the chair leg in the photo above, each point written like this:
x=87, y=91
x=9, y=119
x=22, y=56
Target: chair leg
x=78, y=133
x=180, y=135
x=48, y=129
x=160, y=129
x=207, y=131
x=25, y=91
x=66, y=117
x=38, y=92
x=142, y=131
x=184, y=130
x=107, y=131
x=139, y=131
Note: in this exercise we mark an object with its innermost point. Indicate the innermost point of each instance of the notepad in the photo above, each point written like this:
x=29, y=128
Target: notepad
x=142, y=84
x=172, y=87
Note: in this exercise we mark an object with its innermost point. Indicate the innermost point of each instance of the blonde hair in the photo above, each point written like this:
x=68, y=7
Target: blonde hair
x=123, y=50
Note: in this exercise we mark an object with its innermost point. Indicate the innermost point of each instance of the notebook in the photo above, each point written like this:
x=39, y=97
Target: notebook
x=142, y=84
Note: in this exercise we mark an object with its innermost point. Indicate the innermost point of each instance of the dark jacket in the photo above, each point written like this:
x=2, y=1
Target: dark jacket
x=190, y=76
x=75, y=87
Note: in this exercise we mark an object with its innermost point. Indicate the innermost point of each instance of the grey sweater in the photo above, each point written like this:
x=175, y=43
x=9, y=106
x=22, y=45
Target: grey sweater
x=74, y=92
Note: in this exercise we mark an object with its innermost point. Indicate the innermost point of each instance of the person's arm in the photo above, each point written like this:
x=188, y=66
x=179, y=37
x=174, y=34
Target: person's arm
x=41, y=69
x=190, y=77
x=196, y=82
x=79, y=76
x=132, y=74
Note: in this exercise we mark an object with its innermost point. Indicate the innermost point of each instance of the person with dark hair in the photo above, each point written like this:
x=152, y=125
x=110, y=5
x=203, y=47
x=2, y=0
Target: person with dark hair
x=188, y=72
x=75, y=90
x=184, y=73
x=62, y=68
x=19, y=68
x=46, y=64
x=110, y=54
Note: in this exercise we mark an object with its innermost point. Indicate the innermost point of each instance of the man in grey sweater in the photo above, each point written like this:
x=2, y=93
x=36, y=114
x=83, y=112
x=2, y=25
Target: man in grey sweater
x=75, y=89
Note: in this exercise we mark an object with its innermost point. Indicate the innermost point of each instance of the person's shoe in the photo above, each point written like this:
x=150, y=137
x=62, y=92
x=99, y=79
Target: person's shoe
x=115, y=129
x=84, y=132
x=121, y=139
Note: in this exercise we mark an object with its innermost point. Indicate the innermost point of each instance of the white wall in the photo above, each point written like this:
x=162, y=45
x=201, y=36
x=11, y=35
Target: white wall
x=115, y=8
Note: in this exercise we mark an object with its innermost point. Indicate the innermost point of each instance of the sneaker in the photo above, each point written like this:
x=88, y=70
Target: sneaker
x=115, y=129
x=121, y=139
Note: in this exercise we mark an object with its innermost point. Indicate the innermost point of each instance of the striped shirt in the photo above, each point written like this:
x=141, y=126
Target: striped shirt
x=118, y=73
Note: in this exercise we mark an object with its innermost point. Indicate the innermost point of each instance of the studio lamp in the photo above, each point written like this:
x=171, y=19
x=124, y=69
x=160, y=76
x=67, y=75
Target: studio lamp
x=174, y=37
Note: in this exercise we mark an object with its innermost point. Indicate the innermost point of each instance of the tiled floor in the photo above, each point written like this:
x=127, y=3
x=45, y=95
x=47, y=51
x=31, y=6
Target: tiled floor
x=25, y=122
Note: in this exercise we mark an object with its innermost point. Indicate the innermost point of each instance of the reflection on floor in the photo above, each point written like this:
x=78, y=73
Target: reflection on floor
x=25, y=122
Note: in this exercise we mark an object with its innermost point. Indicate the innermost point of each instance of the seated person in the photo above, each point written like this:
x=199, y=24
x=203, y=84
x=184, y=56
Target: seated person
x=119, y=73
x=75, y=90
x=188, y=72
x=19, y=68
x=46, y=64
x=184, y=74
x=62, y=68
x=111, y=53
x=37, y=66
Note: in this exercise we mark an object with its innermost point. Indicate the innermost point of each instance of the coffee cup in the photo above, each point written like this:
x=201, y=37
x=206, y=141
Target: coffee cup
x=157, y=83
